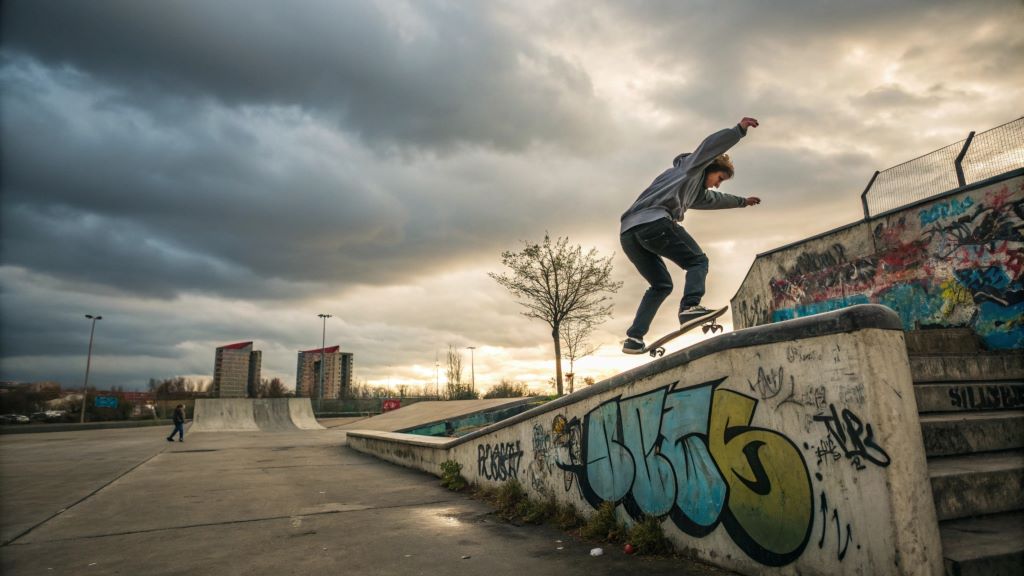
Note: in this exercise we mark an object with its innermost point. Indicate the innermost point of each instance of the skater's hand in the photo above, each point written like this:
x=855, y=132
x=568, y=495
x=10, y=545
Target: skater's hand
x=752, y=201
x=748, y=123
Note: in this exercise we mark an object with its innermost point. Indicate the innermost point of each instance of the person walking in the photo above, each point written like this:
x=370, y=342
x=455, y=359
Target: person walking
x=179, y=423
x=649, y=229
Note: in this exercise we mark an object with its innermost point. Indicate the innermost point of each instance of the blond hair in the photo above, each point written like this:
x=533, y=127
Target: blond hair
x=722, y=163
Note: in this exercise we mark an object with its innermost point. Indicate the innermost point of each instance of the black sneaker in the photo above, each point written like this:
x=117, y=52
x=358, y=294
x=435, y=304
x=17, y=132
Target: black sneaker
x=633, y=346
x=691, y=313
x=170, y=439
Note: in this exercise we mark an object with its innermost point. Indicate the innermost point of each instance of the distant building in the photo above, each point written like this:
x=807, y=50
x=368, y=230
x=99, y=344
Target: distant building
x=337, y=371
x=236, y=370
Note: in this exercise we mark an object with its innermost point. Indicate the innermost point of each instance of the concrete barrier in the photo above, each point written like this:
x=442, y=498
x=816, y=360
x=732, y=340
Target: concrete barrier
x=253, y=414
x=793, y=448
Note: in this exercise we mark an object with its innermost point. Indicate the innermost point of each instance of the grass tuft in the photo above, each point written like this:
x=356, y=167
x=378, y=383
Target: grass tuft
x=451, y=476
x=648, y=537
x=603, y=525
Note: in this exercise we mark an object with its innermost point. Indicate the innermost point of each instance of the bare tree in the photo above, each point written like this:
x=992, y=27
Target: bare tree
x=273, y=388
x=456, y=389
x=576, y=341
x=557, y=282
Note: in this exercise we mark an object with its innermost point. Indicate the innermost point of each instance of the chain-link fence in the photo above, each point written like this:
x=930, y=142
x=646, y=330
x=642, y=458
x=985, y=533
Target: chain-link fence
x=975, y=158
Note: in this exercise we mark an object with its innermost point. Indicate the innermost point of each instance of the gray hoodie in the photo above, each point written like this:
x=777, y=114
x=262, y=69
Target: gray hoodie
x=682, y=186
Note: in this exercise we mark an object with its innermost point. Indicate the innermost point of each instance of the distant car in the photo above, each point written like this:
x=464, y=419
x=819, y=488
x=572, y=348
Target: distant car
x=50, y=416
x=14, y=419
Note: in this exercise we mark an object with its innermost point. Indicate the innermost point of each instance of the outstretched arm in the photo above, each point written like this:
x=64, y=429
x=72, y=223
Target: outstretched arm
x=715, y=200
x=716, y=144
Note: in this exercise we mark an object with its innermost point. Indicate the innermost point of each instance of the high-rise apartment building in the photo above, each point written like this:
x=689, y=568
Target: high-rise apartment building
x=236, y=370
x=337, y=371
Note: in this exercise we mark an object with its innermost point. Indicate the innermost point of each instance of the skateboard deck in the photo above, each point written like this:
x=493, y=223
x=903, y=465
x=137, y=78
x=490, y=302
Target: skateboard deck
x=708, y=323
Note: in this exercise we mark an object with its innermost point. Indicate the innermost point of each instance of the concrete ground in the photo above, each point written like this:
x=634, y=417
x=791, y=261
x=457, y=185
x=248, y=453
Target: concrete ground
x=128, y=502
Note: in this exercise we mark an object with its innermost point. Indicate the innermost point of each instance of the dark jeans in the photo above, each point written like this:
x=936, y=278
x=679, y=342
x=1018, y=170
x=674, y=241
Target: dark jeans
x=645, y=245
x=179, y=429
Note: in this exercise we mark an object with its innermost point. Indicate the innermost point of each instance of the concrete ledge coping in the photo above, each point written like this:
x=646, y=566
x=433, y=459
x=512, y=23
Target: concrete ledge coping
x=859, y=317
x=850, y=319
x=414, y=439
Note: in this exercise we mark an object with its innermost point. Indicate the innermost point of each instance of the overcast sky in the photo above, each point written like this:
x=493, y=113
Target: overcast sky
x=202, y=173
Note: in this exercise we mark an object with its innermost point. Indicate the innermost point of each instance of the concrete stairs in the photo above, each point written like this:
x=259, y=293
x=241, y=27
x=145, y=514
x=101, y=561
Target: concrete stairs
x=971, y=404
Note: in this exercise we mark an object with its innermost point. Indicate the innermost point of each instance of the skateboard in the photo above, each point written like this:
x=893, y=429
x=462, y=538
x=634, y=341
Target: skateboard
x=708, y=323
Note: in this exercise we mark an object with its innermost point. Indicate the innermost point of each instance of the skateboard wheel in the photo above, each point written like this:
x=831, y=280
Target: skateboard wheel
x=706, y=328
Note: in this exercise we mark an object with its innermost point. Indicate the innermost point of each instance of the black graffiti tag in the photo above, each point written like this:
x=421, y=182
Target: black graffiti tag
x=841, y=544
x=855, y=438
x=499, y=461
x=769, y=383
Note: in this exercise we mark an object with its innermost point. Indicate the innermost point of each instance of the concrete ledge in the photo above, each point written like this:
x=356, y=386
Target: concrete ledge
x=435, y=442
x=843, y=321
x=792, y=448
x=424, y=453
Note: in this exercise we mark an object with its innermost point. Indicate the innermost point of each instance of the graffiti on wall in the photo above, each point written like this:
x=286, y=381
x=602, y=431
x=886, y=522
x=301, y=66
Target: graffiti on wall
x=853, y=437
x=561, y=444
x=691, y=454
x=987, y=397
x=499, y=461
x=956, y=262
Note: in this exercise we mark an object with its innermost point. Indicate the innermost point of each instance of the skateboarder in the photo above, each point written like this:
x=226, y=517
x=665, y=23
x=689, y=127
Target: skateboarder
x=179, y=423
x=649, y=229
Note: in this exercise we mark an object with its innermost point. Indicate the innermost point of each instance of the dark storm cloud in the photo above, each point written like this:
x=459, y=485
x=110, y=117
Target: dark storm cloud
x=430, y=74
x=226, y=201
x=208, y=172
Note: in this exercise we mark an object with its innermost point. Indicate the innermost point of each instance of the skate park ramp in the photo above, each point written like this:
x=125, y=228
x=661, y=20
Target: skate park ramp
x=301, y=411
x=422, y=415
x=253, y=415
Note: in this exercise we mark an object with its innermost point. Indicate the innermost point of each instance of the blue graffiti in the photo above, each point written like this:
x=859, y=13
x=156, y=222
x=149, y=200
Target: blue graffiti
x=692, y=455
x=955, y=207
x=998, y=320
x=802, y=310
x=991, y=284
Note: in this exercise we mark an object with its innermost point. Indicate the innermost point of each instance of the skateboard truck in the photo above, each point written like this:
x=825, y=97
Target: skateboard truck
x=712, y=326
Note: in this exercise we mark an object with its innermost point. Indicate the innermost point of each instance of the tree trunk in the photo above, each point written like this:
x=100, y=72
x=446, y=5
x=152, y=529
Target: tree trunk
x=558, y=359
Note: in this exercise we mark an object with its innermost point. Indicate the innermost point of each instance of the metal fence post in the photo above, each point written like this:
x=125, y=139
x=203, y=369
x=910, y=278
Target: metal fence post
x=960, y=158
x=864, y=196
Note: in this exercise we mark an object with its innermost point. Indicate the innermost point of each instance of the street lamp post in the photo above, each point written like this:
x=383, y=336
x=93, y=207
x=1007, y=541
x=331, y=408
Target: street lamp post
x=88, y=362
x=472, y=368
x=323, y=343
